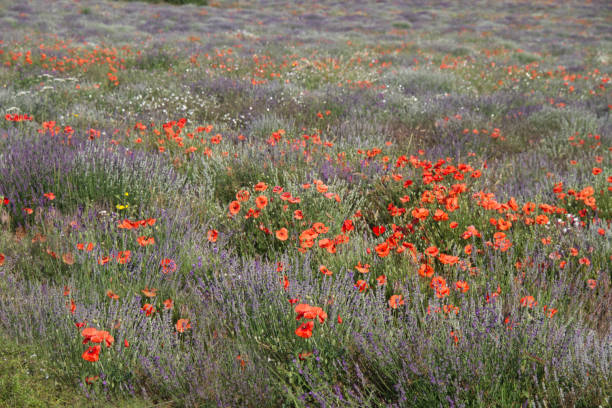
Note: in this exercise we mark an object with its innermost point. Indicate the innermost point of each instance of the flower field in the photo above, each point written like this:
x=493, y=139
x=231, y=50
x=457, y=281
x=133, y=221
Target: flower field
x=306, y=204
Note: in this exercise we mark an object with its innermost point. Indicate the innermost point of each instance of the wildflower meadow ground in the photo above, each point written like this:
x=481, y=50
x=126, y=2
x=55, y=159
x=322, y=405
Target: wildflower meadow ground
x=305, y=204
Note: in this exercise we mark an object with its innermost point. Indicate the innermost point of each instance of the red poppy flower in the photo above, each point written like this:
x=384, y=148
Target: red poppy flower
x=168, y=265
x=234, y=207
x=261, y=186
x=68, y=258
x=305, y=330
x=361, y=285
x=420, y=213
x=426, y=271
x=378, y=230
x=442, y=291
x=383, y=249
x=322, y=188
x=362, y=268
x=471, y=231
x=92, y=379
x=323, y=269
x=123, y=257
x=395, y=301
x=528, y=301
x=285, y=282
x=261, y=202
x=212, y=235
x=320, y=228
x=144, y=241
x=304, y=356
x=112, y=294
x=448, y=259
x=437, y=282
x=310, y=312
x=92, y=354
x=325, y=242
x=88, y=333
x=440, y=215
x=243, y=195
x=282, y=234
x=97, y=336
x=72, y=306
x=127, y=224
x=2, y=258
x=241, y=360
x=432, y=251
x=503, y=225
x=499, y=236
x=149, y=292
x=347, y=226
x=50, y=196
x=182, y=325
x=462, y=286
x=148, y=309
x=550, y=311
x=168, y=304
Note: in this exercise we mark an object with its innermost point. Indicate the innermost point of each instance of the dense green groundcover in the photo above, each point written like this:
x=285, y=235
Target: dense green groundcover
x=30, y=380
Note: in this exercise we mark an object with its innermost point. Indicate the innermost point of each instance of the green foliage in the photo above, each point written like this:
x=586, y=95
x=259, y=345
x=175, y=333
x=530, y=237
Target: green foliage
x=31, y=380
